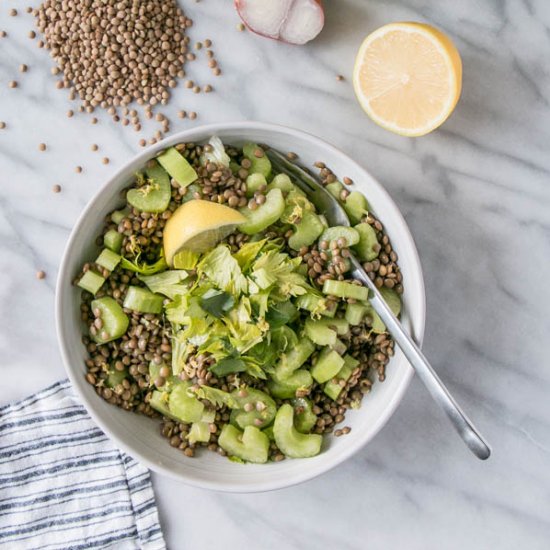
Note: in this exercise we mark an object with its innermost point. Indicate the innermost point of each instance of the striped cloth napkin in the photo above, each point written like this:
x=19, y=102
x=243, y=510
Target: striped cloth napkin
x=64, y=486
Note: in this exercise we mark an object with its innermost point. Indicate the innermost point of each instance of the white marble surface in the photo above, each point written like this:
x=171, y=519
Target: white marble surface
x=476, y=195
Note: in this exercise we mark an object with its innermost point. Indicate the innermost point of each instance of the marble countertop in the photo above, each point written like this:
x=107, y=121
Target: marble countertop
x=476, y=194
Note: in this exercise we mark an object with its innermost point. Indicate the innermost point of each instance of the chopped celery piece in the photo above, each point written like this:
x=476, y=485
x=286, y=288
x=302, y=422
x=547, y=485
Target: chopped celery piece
x=281, y=314
x=190, y=195
x=215, y=153
x=184, y=407
x=356, y=206
x=177, y=166
x=286, y=388
x=355, y=313
x=347, y=234
x=159, y=402
x=91, y=282
x=108, y=259
x=334, y=387
x=250, y=445
x=259, y=165
x=392, y=299
x=394, y=302
x=118, y=215
x=185, y=259
x=115, y=321
x=253, y=183
x=320, y=333
x=313, y=302
x=143, y=300
x=154, y=372
x=256, y=408
x=282, y=182
x=269, y=432
x=304, y=417
x=209, y=415
x=289, y=440
x=199, y=433
x=113, y=240
x=339, y=347
x=341, y=326
x=154, y=195
x=345, y=290
x=295, y=358
x=265, y=215
x=366, y=249
x=115, y=377
x=334, y=188
x=307, y=231
x=327, y=366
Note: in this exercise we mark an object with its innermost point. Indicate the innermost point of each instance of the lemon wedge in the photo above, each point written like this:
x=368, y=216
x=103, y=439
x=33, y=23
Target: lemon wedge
x=408, y=77
x=198, y=226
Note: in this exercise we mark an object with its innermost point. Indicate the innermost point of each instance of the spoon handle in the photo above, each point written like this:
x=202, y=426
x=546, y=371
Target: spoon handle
x=462, y=424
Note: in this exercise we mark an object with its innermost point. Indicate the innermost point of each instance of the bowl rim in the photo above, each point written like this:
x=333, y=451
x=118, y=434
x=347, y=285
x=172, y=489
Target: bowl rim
x=64, y=283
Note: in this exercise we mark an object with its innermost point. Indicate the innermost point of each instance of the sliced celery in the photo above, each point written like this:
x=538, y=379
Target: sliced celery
x=115, y=377
x=183, y=406
x=177, y=166
x=262, y=408
x=392, y=299
x=313, y=302
x=154, y=195
x=334, y=188
x=295, y=358
x=259, y=165
x=118, y=215
x=113, y=240
x=282, y=182
x=286, y=388
x=319, y=333
x=115, y=321
x=108, y=259
x=142, y=300
x=337, y=232
x=91, y=282
x=251, y=445
x=304, y=417
x=339, y=347
x=265, y=215
x=253, y=183
x=327, y=366
x=356, y=206
x=199, y=433
x=307, y=231
x=355, y=313
x=234, y=167
x=333, y=388
x=289, y=440
x=159, y=402
x=366, y=249
x=345, y=290
x=341, y=326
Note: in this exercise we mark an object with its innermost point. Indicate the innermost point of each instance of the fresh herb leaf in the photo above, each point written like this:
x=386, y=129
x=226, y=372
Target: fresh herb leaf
x=229, y=365
x=221, y=268
x=144, y=268
x=217, y=302
x=167, y=283
x=216, y=397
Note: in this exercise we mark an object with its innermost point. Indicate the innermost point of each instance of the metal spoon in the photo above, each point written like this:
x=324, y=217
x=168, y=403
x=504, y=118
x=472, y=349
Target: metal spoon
x=336, y=215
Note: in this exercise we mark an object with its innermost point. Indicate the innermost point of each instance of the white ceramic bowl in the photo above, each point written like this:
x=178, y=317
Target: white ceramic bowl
x=140, y=436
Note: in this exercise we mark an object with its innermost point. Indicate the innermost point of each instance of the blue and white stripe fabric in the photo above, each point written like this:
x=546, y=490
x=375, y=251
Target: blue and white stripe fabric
x=63, y=485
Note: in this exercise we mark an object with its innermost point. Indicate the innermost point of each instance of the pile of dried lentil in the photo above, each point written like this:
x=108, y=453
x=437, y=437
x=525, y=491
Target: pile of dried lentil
x=148, y=338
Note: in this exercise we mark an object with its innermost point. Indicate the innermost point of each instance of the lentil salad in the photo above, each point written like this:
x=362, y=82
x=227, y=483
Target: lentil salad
x=318, y=348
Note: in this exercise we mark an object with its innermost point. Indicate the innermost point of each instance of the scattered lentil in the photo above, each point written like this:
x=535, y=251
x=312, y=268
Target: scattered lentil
x=40, y=274
x=13, y=84
x=56, y=188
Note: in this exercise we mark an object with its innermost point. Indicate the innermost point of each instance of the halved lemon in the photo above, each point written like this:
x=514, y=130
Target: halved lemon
x=408, y=77
x=198, y=226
